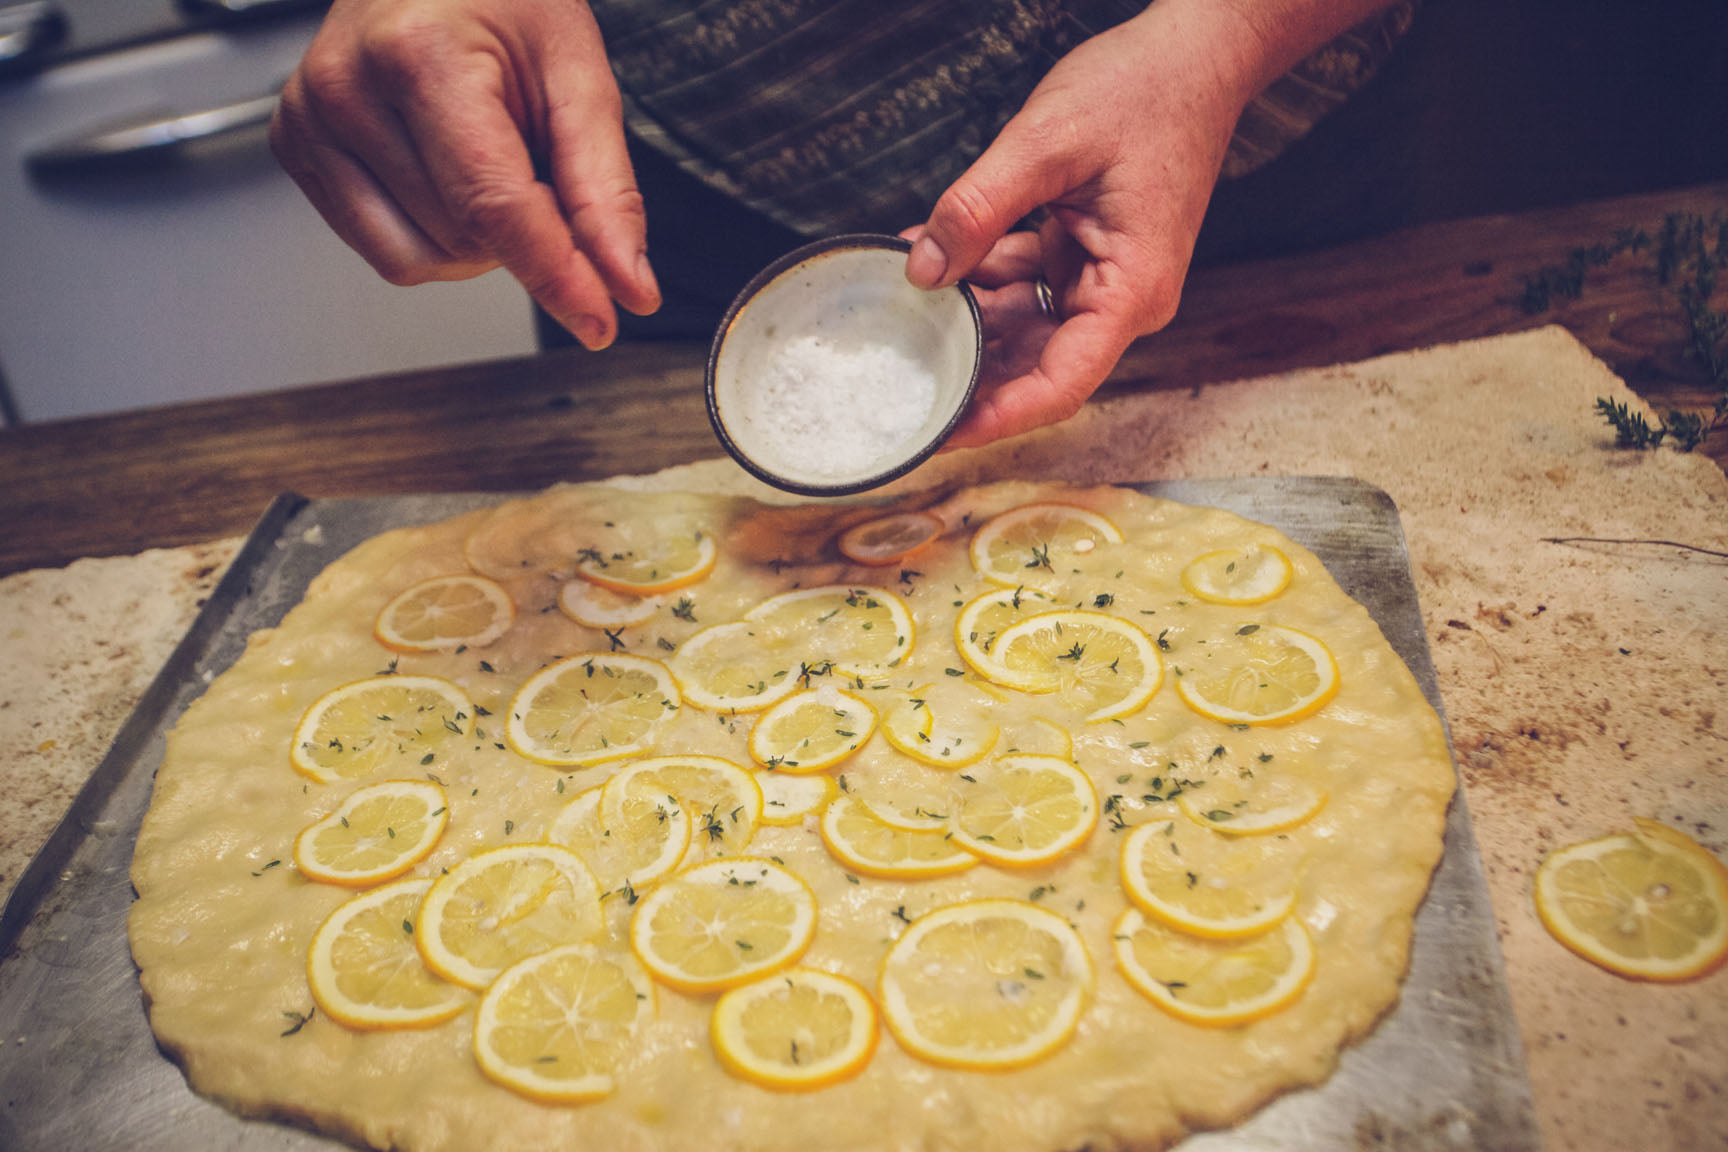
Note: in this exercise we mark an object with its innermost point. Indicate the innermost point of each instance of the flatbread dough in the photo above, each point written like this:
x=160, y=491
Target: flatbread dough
x=223, y=921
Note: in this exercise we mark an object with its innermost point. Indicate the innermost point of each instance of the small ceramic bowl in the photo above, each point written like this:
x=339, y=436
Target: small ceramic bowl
x=831, y=374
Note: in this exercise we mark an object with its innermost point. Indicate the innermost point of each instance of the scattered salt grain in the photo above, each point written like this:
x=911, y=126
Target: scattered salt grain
x=833, y=409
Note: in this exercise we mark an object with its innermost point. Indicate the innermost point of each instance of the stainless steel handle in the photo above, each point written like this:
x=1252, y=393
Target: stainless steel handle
x=157, y=134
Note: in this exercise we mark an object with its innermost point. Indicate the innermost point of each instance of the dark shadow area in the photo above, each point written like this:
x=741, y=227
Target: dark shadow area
x=1492, y=106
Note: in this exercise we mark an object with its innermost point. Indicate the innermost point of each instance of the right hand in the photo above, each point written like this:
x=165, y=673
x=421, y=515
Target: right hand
x=416, y=128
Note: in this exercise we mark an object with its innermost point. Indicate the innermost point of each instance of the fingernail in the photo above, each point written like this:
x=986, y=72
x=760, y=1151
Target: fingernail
x=927, y=264
x=591, y=331
x=645, y=277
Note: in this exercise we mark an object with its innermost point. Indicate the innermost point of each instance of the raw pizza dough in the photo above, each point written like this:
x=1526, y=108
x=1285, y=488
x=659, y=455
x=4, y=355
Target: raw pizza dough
x=221, y=934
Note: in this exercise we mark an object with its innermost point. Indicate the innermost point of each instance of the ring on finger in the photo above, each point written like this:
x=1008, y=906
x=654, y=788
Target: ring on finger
x=1047, y=299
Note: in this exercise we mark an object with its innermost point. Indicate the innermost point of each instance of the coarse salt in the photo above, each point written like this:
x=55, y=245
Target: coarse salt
x=840, y=409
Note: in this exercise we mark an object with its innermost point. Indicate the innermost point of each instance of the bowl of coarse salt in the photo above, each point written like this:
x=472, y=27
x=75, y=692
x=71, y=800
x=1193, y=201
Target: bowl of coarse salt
x=832, y=374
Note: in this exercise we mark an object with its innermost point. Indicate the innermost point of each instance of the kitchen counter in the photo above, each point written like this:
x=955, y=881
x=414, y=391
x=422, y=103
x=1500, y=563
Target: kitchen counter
x=189, y=473
x=1585, y=682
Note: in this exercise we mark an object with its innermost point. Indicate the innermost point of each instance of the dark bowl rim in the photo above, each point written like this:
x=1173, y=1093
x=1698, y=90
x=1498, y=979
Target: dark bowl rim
x=779, y=267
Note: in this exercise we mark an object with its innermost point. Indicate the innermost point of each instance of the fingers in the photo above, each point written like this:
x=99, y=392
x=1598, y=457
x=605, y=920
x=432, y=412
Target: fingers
x=1014, y=258
x=1077, y=359
x=474, y=155
x=411, y=135
x=595, y=181
x=358, y=208
x=1023, y=169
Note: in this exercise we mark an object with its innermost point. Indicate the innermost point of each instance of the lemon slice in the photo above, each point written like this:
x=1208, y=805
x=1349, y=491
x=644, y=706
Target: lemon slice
x=723, y=799
x=667, y=564
x=945, y=725
x=592, y=707
x=378, y=832
x=736, y=668
x=795, y=1031
x=1102, y=665
x=723, y=923
x=386, y=723
x=646, y=840
x=592, y=606
x=811, y=730
x=1038, y=735
x=1652, y=904
x=1251, y=805
x=1038, y=544
x=1200, y=881
x=503, y=904
x=866, y=844
x=903, y=792
x=788, y=799
x=446, y=612
x=1217, y=983
x=1249, y=575
x=983, y=618
x=364, y=970
x=987, y=984
x=560, y=1026
x=889, y=539
x=1024, y=810
x=1261, y=674
x=858, y=629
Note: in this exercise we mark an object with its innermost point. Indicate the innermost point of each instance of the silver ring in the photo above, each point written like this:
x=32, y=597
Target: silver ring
x=1047, y=299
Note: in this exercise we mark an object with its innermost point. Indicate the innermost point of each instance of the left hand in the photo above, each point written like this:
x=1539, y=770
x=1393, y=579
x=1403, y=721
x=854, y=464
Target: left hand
x=1121, y=143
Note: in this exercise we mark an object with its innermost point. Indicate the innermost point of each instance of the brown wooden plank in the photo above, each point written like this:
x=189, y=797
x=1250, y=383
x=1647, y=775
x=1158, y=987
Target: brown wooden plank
x=117, y=484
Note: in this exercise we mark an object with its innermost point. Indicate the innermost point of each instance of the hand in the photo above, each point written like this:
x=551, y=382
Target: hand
x=416, y=127
x=1121, y=144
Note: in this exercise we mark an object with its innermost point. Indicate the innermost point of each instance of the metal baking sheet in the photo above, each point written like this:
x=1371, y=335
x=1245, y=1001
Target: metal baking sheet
x=80, y=1069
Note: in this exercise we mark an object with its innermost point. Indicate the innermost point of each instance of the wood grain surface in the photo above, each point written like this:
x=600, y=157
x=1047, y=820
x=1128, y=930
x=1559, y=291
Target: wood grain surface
x=119, y=484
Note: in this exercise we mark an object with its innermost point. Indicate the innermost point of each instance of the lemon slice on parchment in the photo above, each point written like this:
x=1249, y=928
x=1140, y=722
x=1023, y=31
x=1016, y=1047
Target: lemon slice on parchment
x=1651, y=904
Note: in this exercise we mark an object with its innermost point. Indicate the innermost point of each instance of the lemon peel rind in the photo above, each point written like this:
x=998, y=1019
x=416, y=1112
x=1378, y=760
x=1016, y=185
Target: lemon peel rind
x=1288, y=817
x=437, y=816
x=1286, y=993
x=852, y=546
x=1211, y=928
x=702, y=820
x=320, y=976
x=1066, y=1022
x=1083, y=791
x=856, y=710
x=455, y=968
x=524, y=744
x=1103, y=622
x=494, y=592
x=1651, y=836
x=849, y=1062
x=304, y=731
x=525, y=1081
x=1191, y=580
x=1308, y=707
x=785, y=881
x=843, y=851
x=707, y=556
x=978, y=548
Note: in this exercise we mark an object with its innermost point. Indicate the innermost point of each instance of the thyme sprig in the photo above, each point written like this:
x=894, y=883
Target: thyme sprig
x=1689, y=251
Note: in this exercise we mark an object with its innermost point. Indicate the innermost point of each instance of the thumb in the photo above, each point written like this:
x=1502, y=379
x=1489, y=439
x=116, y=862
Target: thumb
x=1019, y=172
